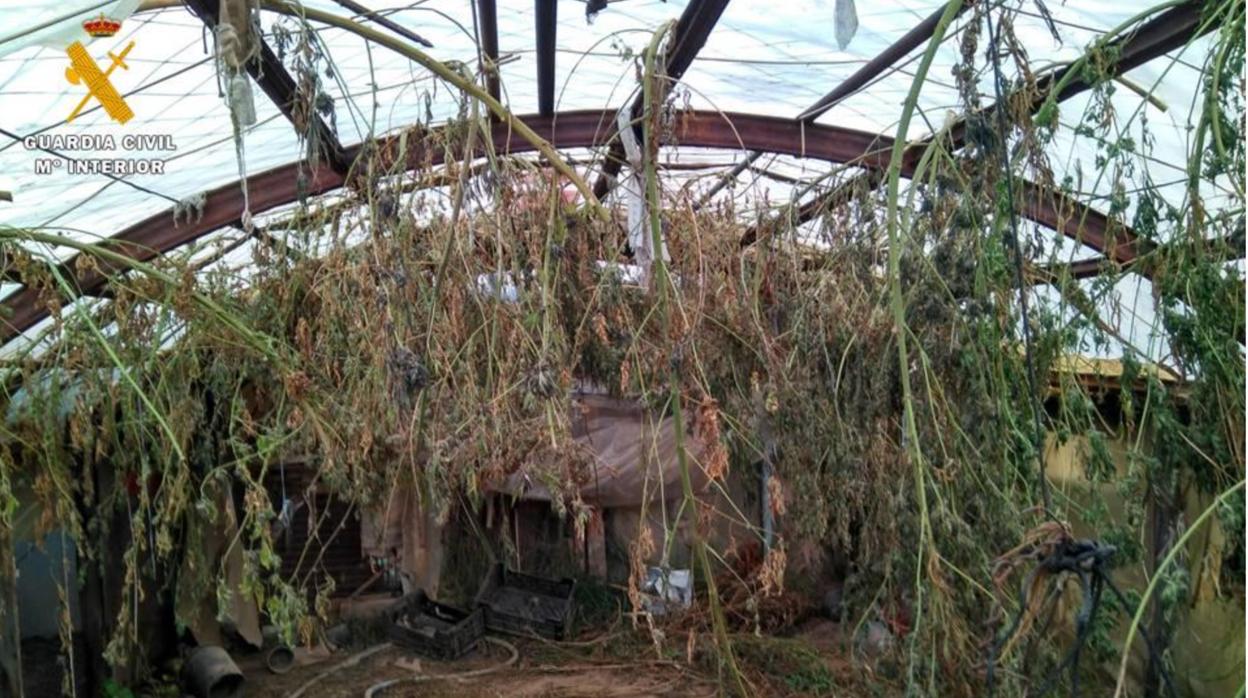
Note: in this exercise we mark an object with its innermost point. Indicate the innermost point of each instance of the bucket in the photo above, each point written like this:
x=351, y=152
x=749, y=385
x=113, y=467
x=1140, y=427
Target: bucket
x=280, y=659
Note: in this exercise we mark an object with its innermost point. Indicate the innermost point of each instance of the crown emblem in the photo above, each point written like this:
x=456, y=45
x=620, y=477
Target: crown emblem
x=101, y=26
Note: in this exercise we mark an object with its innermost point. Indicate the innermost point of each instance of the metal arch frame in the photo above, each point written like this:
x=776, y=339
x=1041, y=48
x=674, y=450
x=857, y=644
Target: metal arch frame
x=1162, y=33
x=223, y=207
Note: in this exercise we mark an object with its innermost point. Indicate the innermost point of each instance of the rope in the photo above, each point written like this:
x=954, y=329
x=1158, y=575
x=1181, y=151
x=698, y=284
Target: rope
x=238, y=97
x=229, y=46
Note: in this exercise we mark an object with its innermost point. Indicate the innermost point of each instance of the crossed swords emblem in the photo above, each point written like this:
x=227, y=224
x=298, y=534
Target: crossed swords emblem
x=83, y=69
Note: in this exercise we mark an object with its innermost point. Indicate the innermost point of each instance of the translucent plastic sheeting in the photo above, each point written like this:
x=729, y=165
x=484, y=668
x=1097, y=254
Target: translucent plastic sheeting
x=7, y=289
x=171, y=86
x=55, y=24
x=762, y=57
x=1127, y=308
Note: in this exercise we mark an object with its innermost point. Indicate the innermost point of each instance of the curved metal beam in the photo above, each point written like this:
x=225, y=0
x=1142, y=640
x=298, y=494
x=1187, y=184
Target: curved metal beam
x=223, y=206
x=1165, y=32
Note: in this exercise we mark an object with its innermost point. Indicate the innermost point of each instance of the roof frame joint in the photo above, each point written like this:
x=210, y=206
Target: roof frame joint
x=280, y=86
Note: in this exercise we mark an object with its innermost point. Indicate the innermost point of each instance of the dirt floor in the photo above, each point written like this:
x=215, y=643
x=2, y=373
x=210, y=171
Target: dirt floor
x=613, y=660
x=617, y=664
x=534, y=674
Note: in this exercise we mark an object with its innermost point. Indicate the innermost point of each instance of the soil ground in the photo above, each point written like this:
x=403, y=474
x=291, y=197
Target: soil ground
x=812, y=662
x=533, y=675
x=611, y=660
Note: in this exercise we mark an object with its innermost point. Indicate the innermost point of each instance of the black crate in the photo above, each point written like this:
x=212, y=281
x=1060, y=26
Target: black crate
x=434, y=630
x=522, y=604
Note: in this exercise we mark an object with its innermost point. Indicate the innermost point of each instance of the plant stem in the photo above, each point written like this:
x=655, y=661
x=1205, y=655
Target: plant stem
x=897, y=303
x=1158, y=573
x=663, y=284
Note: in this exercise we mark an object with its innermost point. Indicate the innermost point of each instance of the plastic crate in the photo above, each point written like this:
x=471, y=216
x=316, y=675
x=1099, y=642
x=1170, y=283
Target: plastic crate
x=434, y=630
x=522, y=604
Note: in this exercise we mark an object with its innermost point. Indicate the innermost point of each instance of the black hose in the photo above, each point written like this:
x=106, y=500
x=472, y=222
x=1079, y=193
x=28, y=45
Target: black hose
x=1088, y=560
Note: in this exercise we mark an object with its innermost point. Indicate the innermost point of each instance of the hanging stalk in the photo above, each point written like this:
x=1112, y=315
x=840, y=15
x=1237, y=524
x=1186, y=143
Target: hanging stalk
x=10, y=636
x=897, y=303
x=425, y=487
x=272, y=351
x=1048, y=112
x=1209, y=123
x=457, y=206
x=259, y=341
x=13, y=235
x=650, y=141
x=1230, y=33
x=1075, y=69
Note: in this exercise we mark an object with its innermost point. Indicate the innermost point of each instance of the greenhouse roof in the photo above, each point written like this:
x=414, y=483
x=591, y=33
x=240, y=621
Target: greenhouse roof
x=771, y=100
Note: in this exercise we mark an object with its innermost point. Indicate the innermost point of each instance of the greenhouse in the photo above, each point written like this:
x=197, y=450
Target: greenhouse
x=622, y=348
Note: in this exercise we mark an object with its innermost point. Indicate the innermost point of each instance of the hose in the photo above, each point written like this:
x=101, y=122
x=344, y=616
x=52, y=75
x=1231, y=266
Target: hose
x=349, y=662
x=380, y=686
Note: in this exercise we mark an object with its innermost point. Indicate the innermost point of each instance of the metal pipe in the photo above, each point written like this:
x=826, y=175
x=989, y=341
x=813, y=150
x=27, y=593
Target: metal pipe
x=487, y=25
x=546, y=12
x=895, y=52
x=211, y=673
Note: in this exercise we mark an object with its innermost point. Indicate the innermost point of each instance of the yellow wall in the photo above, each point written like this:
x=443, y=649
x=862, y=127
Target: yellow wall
x=1208, y=644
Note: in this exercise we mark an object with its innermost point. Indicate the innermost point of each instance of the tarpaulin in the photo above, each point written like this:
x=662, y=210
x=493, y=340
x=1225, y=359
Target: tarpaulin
x=633, y=455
